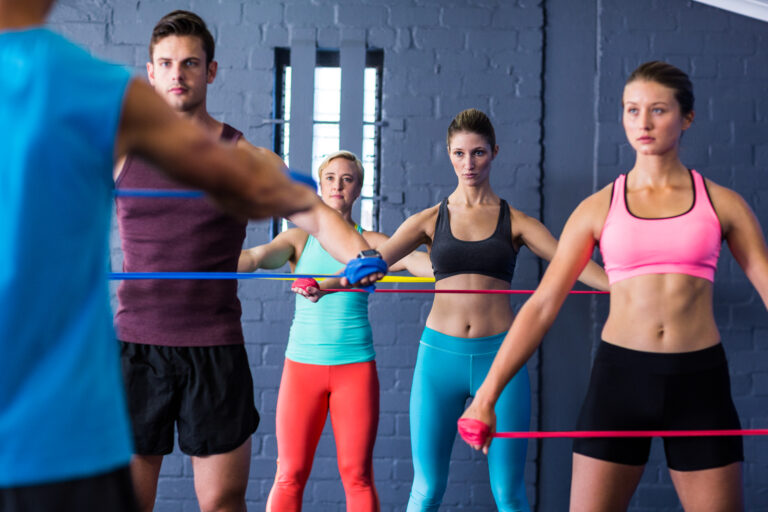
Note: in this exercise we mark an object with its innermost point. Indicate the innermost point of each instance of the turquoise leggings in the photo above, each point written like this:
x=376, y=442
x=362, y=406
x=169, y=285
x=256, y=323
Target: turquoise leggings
x=448, y=371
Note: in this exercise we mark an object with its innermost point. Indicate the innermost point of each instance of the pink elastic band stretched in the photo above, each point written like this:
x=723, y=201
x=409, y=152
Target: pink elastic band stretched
x=503, y=292
x=633, y=433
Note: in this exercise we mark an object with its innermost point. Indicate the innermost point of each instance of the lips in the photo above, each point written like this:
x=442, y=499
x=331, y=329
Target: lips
x=645, y=139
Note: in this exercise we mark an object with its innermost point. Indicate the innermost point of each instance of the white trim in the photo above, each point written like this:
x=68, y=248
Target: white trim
x=753, y=8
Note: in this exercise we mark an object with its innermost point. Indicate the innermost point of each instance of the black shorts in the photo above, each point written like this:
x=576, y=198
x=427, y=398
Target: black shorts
x=633, y=390
x=111, y=491
x=206, y=391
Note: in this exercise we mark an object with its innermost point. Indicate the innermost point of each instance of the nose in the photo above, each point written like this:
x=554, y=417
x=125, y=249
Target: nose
x=176, y=72
x=645, y=119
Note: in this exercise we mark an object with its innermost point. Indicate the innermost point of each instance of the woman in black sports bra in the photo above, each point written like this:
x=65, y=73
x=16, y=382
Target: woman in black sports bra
x=473, y=237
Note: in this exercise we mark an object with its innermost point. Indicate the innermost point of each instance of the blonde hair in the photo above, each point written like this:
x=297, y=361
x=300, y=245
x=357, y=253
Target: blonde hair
x=346, y=155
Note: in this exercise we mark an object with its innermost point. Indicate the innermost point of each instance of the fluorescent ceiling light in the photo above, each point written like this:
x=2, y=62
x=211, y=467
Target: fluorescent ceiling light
x=753, y=8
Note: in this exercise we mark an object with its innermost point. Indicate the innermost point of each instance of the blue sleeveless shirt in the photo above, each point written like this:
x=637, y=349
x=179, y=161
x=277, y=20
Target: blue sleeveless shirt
x=62, y=408
x=334, y=330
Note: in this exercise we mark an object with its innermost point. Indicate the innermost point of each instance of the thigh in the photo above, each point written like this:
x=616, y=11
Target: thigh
x=221, y=479
x=438, y=394
x=145, y=471
x=217, y=412
x=152, y=396
x=702, y=401
x=108, y=491
x=602, y=486
x=354, y=411
x=710, y=490
x=302, y=408
x=506, y=457
x=619, y=398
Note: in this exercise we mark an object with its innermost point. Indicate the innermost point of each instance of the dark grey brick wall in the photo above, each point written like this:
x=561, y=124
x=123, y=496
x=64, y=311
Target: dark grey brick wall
x=550, y=75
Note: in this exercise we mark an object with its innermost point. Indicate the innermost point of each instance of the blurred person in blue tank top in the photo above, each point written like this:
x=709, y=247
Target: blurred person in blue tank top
x=66, y=118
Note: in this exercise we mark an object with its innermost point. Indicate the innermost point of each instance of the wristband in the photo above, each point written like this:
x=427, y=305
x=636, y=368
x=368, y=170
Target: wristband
x=369, y=253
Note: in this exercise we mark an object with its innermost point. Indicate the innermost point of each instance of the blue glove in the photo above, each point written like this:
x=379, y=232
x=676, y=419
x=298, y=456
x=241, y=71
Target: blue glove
x=363, y=266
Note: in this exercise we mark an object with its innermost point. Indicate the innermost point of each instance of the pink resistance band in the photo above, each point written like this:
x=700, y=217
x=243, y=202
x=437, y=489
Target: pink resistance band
x=475, y=432
x=503, y=292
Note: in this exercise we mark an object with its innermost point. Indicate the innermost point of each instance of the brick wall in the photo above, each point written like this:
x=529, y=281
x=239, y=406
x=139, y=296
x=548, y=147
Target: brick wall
x=550, y=75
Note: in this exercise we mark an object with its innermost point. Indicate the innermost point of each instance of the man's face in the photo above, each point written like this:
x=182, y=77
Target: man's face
x=179, y=74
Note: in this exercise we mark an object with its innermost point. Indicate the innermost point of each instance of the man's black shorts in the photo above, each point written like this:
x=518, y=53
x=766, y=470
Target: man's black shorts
x=206, y=391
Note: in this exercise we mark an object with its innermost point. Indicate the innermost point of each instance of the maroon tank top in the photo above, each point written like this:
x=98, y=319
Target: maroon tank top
x=176, y=235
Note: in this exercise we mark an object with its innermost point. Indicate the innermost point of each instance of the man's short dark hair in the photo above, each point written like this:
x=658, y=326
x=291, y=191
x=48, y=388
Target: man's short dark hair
x=183, y=23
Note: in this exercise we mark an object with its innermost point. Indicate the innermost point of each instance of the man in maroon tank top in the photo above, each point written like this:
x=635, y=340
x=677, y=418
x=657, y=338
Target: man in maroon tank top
x=182, y=349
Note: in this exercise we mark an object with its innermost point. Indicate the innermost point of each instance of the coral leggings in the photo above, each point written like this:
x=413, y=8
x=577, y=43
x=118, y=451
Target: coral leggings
x=308, y=392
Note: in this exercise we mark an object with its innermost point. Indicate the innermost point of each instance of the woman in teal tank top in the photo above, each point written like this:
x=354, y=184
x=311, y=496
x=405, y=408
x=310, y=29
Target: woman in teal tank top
x=329, y=362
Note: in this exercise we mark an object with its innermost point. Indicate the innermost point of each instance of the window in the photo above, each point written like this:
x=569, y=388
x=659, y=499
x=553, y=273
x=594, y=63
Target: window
x=326, y=120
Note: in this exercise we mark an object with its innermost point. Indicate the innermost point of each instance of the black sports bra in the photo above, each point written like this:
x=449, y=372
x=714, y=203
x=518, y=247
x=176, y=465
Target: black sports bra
x=495, y=256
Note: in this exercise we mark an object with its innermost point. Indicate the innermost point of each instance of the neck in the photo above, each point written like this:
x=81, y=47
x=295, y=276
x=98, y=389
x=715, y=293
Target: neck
x=201, y=115
x=347, y=216
x=474, y=195
x=658, y=169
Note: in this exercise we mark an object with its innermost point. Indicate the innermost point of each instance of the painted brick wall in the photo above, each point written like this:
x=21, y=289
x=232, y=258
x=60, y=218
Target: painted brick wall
x=441, y=57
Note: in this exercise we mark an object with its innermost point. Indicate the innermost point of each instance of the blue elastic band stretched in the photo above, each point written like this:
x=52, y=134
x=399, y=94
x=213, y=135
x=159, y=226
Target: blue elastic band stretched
x=140, y=192
x=123, y=276
x=192, y=194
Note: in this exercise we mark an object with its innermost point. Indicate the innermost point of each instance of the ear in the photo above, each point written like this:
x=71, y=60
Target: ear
x=212, y=68
x=495, y=150
x=151, y=73
x=688, y=119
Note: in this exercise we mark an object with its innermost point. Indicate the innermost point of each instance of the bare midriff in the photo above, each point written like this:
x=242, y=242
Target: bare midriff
x=661, y=313
x=470, y=315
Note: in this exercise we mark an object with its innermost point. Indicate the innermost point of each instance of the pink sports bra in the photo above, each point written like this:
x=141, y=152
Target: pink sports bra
x=688, y=243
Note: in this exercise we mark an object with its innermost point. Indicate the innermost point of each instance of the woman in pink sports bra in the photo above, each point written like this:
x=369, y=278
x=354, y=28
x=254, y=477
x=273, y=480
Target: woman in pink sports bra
x=661, y=365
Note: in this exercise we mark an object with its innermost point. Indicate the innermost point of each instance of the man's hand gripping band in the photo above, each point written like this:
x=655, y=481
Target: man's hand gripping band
x=367, y=262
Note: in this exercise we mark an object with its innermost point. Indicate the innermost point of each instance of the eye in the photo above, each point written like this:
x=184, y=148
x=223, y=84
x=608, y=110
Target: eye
x=632, y=110
x=479, y=152
x=458, y=153
x=348, y=179
x=658, y=110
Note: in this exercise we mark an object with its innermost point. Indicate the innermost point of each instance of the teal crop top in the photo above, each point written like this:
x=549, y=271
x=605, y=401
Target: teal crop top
x=334, y=330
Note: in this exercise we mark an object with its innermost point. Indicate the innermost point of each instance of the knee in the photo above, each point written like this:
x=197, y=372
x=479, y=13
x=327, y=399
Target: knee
x=355, y=476
x=291, y=479
x=228, y=499
x=510, y=498
x=427, y=501
x=426, y=496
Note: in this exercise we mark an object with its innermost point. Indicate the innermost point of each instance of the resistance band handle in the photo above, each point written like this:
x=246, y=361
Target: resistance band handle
x=305, y=282
x=473, y=432
x=359, y=268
